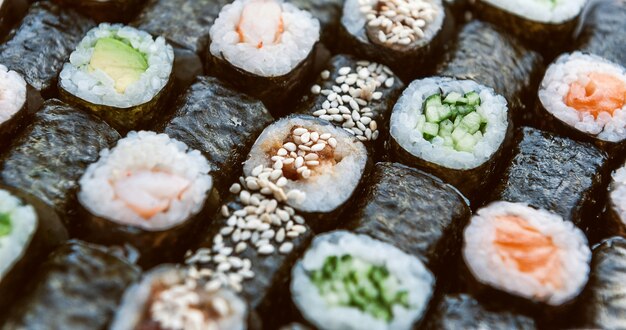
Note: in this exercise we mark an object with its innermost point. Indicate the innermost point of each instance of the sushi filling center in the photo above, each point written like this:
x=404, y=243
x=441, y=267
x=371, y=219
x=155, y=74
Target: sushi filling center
x=349, y=281
x=118, y=60
x=261, y=23
x=5, y=224
x=597, y=92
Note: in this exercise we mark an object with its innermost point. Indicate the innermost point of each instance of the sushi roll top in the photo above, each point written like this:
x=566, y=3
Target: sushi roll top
x=542, y=11
x=18, y=224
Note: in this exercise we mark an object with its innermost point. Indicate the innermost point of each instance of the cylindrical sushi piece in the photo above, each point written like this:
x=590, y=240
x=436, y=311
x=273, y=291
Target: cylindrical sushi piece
x=493, y=58
x=404, y=35
x=119, y=73
x=415, y=211
x=322, y=166
x=345, y=281
x=11, y=12
x=41, y=44
x=603, y=32
x=265, y=48
x=546, y=25
x=356, y=95
x=169, y=298
x=554, y=173
x=220, y=122
x=106, y=10
x=149, y=191
x=78, y=287
x=29, y=229
x=55, y=148
x=454, y=129
x=525, y=257
x=584, y=96
x=13, y=105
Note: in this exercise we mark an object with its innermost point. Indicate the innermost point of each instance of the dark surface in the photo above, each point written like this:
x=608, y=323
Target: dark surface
x=414, y=211
x=38, y=48
x=11, y=12
x=79, y=287
x=106, y=10
x=220, y=122
x=604, y=31
x=48, y=157
x=493, y=58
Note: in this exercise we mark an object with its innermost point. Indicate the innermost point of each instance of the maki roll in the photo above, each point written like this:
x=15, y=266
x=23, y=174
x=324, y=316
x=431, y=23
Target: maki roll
x=345, y=281
x=493, y=58
x=171, y=298
x=523, y=255
x=603, y=33
x=455, y=129
x=426, y=224
x=13, y=105
x=321, y=164
x=48, y=157
x=584, y=97
x=219, y=122
x=404, y=35
x=148, y=191
x=41, y=44
x=78, y=287
x=265, y=48
x=29, y=229
x=119, y=73
x=556, y=174
x=105, y=10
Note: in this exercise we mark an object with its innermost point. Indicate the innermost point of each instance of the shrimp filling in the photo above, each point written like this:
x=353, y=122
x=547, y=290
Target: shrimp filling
x=261, y=23
x=600, y=92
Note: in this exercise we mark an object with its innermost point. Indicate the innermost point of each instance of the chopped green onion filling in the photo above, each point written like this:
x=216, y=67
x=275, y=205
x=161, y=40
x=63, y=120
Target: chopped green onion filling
x=346, y=281
x=454, y=119
x=5, y=224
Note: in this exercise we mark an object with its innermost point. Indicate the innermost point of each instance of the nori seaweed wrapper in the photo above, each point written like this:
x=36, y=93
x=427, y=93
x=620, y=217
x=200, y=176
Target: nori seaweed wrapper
x=414, y=211
x=381, y=108
x=38, y=48
x=604, y=32
x=491, y=57
x=221, y=123
x=462, y=311
x=106, y=10
x=10, y=127
x=328, y=12
x=47, y=236
x=602, y=304
x=50, y=155
x=79, y=287
x=555, y=174
x=11, y=12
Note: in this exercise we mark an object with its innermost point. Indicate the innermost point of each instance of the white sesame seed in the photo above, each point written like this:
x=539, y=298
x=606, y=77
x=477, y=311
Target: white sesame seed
x=280, y=235
x=318, y=147
x=316, y=89
x=373, y=125
x=319, y=113
x=344, y=70
x=241, y=246
x=325, y=74
x=286, y=247
x=375, y=135
x=235, y=188
x=224, y=211
x=266, y=249
x=332, y=142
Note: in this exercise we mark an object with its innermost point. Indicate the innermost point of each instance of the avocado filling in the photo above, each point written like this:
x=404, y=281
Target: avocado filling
x=5, y=224
x=453, y=119
x=119, y=60
x=346, y=281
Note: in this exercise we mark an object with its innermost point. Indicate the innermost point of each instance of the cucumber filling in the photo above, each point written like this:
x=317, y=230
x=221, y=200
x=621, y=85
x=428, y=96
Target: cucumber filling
x=5, y=224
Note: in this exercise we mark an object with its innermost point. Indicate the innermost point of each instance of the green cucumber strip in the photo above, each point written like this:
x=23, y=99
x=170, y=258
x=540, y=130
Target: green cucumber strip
x=452, y=98
x=432, y=114
x=5, y=224
x=445, y=128
x=433, y=100
x=471, y=122
x=473, y=98
x=430, y=130
x=467, y=143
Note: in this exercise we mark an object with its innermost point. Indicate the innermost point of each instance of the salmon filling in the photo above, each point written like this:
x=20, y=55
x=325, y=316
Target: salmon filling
x=601, y=93
x=531, y=252
x=261, y=23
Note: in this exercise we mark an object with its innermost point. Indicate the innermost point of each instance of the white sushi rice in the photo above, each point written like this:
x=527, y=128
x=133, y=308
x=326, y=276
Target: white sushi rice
x=543, y=11
x=410, y=105
x=145, y=151
x=618, y=193
x=411, y=273
x=301, y=32
x=326, y=189
x=12, y=93
x=23, y=227
x=96, y=87
x=480, y=254
x=570, y=68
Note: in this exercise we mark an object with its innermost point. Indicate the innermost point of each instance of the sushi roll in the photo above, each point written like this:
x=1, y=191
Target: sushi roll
x=105, y=10
x=345, y=281
x=149, y=191
x=547, y=25
x=454, y=129
x=78, y=287
x=119, y=73
x=404, y=35
x=584, y=96
x=13, y=105
x=29, y=229
x=322, y=166
x=55, y=148
x=41, y=44
x=493, y=58
x=219, y=122
x=170, y=298
x=520, y=255
x=556, y=174
x=426, y=224
x=265, y=48
x=603, y=33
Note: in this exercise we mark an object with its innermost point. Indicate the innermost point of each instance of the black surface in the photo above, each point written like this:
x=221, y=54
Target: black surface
x=106, y=10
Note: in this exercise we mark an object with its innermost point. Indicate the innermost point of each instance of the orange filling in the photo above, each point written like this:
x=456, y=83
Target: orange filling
x=533, y=253
x=261, y=23
x=603, y=93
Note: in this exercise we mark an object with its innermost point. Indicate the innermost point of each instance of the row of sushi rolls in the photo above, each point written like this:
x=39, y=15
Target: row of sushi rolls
x=312, y=164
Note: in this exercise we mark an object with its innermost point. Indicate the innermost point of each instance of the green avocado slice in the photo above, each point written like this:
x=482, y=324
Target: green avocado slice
x=119, y=61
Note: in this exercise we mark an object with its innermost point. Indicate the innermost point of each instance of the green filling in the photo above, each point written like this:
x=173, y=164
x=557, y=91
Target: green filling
x=5, y=224
x=118, y=60
x=454, y=119
x=346, y=281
